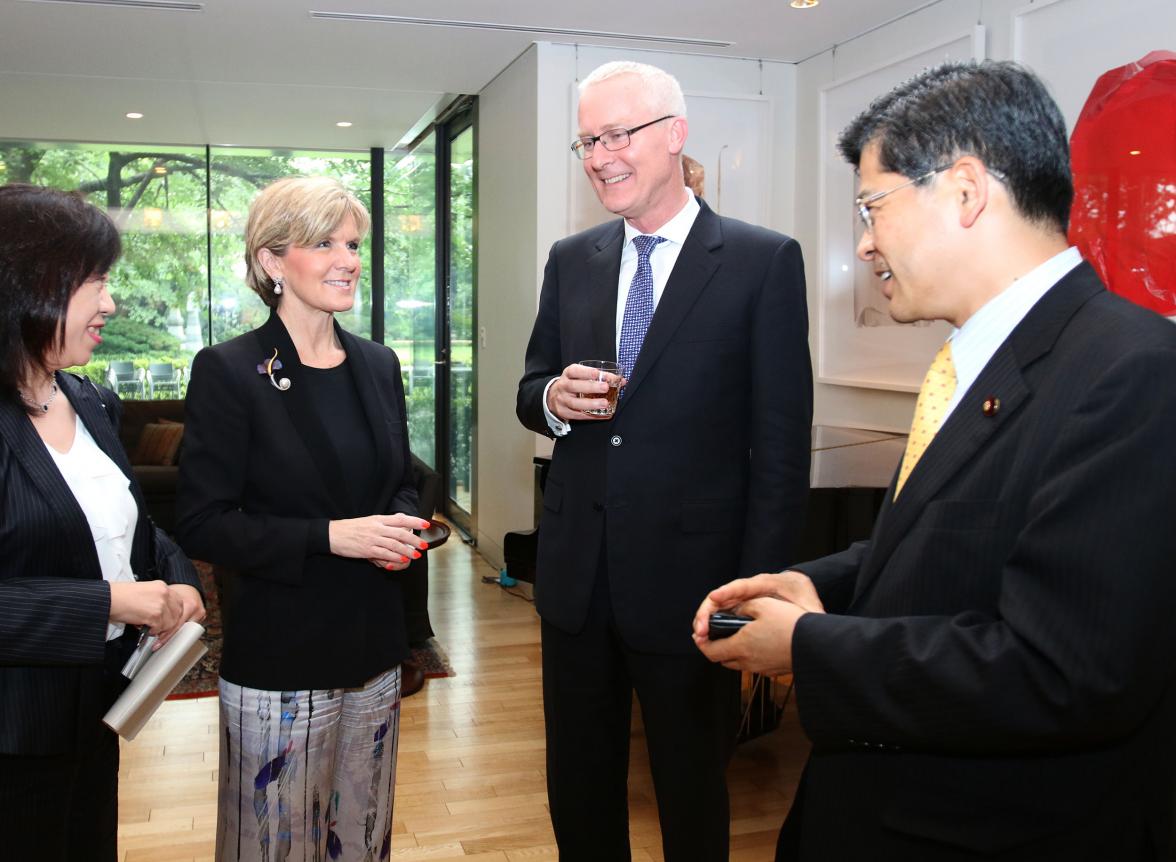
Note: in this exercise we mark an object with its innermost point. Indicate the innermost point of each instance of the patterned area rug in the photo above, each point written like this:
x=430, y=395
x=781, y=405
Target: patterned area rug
x=201, y=680
x=432, y=660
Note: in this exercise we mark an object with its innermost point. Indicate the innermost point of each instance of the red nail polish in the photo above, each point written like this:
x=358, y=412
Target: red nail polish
x=423, y=545
x=427, y=525
x=388, y=567
x=416, y=555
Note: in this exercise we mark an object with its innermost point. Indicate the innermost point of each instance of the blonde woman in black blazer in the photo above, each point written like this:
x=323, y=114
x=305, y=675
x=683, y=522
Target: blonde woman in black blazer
x=80, y=563
x=295, y=475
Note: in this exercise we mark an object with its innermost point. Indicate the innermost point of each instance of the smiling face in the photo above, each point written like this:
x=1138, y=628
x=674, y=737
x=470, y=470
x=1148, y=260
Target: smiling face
x=322, y=277
x=910, y=244
x=85, y=316
x=642, y=182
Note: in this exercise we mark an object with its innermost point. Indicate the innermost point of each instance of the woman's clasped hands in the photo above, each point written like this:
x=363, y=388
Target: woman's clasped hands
x=388, y=541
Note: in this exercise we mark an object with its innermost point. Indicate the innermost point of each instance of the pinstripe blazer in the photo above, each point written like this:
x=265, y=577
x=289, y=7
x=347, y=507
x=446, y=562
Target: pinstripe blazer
x=995, y=678
x=53, y=602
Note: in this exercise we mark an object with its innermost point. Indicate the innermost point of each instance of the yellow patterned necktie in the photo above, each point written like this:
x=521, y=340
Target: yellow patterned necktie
x=934, y=396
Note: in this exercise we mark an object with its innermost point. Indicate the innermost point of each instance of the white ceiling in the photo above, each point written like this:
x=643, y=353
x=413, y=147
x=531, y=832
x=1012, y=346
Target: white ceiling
x=265, y=73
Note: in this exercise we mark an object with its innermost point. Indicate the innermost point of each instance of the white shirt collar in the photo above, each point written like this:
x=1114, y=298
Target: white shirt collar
x=975, y=343
x=676, y=229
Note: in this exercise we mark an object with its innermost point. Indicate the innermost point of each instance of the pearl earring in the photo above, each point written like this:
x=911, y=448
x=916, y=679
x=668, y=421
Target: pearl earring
x=277, y=287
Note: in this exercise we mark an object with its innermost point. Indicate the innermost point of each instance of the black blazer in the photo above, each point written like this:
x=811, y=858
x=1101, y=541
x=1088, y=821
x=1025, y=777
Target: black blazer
x=702, y=473
x=1000, y=678
x=54, y=605
x=259, y=481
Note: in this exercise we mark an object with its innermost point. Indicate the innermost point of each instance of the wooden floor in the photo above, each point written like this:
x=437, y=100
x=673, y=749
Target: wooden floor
x=470, y=778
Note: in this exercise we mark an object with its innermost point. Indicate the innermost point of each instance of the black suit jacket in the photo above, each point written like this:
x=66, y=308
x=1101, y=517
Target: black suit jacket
x=702, y=473
x=54, y=605
x=259, y=481
x=1000, y=677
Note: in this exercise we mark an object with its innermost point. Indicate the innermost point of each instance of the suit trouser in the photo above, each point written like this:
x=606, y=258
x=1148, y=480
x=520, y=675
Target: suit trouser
x=64, y=807
x=690, y=710
x=414, y=585
x=61, y=808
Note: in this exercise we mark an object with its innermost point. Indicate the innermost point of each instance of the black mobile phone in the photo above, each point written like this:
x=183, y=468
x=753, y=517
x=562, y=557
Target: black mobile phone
x=723, y=624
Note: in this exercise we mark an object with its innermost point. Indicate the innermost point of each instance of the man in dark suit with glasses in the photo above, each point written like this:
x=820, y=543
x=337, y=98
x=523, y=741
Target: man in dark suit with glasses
x=700, y=475
x=991, y=675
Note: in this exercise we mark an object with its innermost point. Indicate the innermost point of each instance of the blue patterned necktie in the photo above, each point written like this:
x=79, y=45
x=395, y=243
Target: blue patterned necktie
x=638, y=307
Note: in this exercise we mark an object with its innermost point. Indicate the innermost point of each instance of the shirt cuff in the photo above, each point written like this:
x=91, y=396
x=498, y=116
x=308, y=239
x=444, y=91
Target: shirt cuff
x=558, y=427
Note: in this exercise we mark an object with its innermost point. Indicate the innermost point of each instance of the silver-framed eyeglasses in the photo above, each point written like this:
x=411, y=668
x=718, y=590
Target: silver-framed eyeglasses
x=863, y=204
x=610, y=139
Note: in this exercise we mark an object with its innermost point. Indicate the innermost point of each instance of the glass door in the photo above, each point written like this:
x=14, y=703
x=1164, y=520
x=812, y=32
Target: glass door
x=410, y=295
x=456, y=360
x=428, y=319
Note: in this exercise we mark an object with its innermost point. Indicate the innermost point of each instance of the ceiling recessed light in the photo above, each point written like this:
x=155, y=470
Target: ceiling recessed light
x=134, y=115
x=804, y=4
x=343, y=124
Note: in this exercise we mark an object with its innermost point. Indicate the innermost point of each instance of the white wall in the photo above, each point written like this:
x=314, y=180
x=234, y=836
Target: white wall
x=1068, y=42
x=509, y=210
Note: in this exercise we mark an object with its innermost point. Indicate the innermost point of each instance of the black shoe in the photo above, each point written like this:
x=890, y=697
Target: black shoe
x=412, y=678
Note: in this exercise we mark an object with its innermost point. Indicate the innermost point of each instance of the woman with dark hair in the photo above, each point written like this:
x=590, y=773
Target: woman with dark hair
x=296, y=477
x=81, y=566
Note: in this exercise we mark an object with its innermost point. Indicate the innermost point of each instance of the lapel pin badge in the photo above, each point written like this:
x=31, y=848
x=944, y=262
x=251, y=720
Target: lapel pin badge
x=991, y=406
x=269, y=367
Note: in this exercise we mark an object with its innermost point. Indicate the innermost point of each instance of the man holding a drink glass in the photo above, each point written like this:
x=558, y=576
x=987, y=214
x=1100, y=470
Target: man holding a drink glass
x=669, y=360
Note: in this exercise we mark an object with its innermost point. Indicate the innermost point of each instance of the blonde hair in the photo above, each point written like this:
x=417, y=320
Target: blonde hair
x=661, y=88
x=298, y=211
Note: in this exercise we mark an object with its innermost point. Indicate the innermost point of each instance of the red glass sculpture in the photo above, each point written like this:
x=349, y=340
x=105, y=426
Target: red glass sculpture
x=1124, y=158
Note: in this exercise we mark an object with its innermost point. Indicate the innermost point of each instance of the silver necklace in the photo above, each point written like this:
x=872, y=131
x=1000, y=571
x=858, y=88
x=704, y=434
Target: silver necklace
x=44, y=406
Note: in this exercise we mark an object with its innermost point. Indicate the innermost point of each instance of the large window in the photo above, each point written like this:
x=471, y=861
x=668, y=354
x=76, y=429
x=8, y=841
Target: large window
x=156, y=195
x=180, y=284
x=181, y=211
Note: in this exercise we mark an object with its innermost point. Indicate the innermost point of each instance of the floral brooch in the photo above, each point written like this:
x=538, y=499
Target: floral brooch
x=269, y=366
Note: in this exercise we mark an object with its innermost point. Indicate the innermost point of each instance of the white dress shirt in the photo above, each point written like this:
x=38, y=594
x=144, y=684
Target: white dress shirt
x=104, y=495
x=975, y=343
x=661, y=260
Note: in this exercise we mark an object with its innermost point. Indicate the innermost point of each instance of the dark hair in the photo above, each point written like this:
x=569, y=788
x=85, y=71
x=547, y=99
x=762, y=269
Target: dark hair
x=50, y=242
x=998, y=112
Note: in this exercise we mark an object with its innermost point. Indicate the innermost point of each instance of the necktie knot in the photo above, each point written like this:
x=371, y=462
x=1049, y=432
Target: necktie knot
x=645, y=244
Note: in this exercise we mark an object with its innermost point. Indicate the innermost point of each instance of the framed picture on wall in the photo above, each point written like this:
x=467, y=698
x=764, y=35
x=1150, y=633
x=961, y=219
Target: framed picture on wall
x=1069, y=44
x=728, y=154
x=860, y=344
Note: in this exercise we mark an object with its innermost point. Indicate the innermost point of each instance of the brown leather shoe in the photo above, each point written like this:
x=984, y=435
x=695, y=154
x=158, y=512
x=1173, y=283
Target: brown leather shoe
x=412, y=678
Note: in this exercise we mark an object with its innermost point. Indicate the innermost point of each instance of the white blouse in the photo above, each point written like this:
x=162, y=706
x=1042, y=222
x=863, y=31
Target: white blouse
x=103, y=492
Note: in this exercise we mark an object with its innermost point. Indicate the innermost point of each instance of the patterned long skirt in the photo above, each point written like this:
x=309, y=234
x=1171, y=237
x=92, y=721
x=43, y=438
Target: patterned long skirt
x=308, y=775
